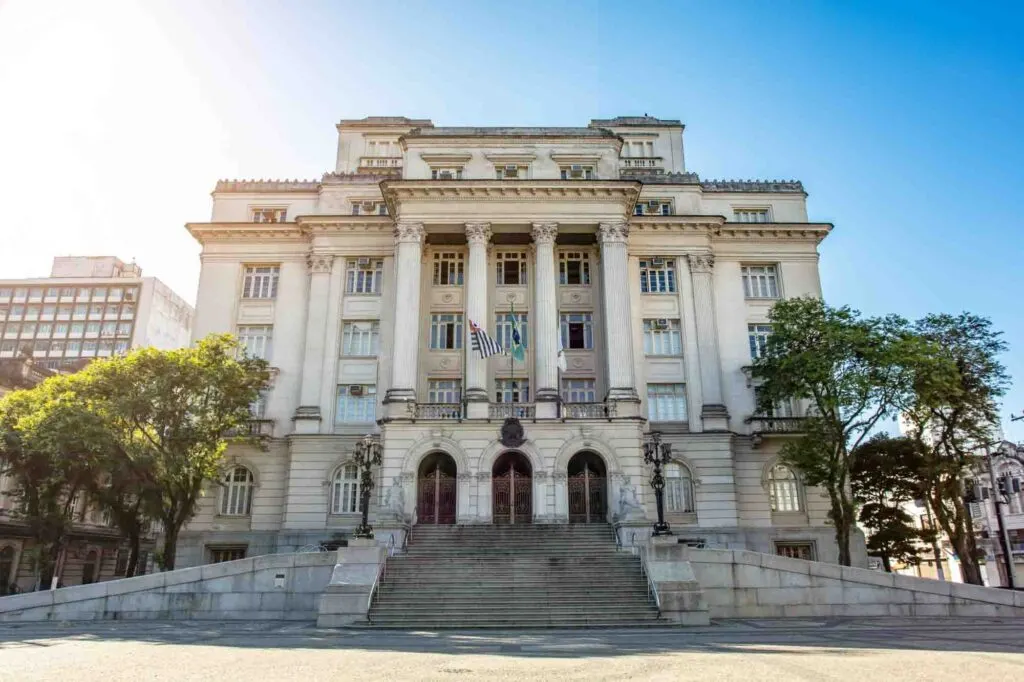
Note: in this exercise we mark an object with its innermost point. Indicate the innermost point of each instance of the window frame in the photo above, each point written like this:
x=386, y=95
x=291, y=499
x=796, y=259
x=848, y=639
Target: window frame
x=656, y=338
x=357, y=277
x=457, y=331
x=236, y=492
x=503, y=328
x=785, y=493
x=767, y=284
x=444, y=391
x=512, y=388
x=758, y=334
x=360, y=409
x=741, y=212
x=664, y=403
x=264, y=342
x=268, y=214
x=345, y=490
x=565, y=258
x=256, y=285
x=658, y=280
x=566, y=323
x=448, y=266
x=576, y=387
x=680, y=493
x=368, y=339
x=504, y=258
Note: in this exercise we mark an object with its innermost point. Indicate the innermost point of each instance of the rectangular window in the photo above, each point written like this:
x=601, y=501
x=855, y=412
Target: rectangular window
x=369, y=208
x=73, y=348
x=657, y=276
x=260, y=281
x=269, y=215
x=510, y=171
x=357, y=404
x=511, y=266
x=77, y=329
x=11, y=330
x=57, y=348
x=512, y=390
x=67, y=292
x=35, y=294
x=28, y=330
x=751, y=215
x=20, y=294
x=447, y=173
x=128, y=311
x=448, y=269
x=795, y=550
x=365, y=276
x=63, y=312
x=108, y=328
x=81, y=311
x=45, y=329
x=447, y=391
x=106, y=347
x=48, y=312
x=360, y=338
x=5, y=293
x=121, y=346
x=760, y=281
x=32, y=312
x=89, y=348
x=666, y=402
x=60, y=329
x=758, y=334
x=577, y=331
x=116, y=294
x=780, y=408
x=110, y=312
x=578, y=171
x=445, y=331
x=96, y=311
x=503, y=328
x=662, y=337
x=124, y=328
x=256, y=340
x=131, y=294
x=99, y=294
x=17, y=312
x=574, y=267
x=579, y=391
x=92, y=328
x=3, y=312
x=219, y=555
x=653, y=207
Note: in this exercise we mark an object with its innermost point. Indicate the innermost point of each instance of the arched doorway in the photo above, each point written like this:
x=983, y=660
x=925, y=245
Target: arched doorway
x=436, y=489
x=588, y=488
x=512, y=492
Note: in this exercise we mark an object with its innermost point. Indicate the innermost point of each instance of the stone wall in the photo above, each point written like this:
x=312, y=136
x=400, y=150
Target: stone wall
x=274, y=587
x=741, y=584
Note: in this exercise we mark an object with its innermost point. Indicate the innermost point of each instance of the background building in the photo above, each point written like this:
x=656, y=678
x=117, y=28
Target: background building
x=359, y=289
x=1008, y=491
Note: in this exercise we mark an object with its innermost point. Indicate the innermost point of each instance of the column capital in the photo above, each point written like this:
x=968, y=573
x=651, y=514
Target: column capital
x=544, y=233
x=701, y=262
x=410, y=233
x=478, y=234
x=319, y=263
x=613, y=233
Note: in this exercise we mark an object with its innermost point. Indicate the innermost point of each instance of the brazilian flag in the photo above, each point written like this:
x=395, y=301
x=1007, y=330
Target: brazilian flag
x=517, y=349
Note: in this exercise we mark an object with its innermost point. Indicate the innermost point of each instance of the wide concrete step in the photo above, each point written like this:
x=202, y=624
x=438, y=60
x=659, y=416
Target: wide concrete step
x=537, y=622
x=537, y=588
x=490, y=601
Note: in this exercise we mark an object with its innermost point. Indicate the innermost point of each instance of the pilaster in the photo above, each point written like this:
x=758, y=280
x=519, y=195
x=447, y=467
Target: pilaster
x=545, y=312
x=714, y=414
x=618, y=332
x=307, y=416
x=478, y=235
x=409, y=238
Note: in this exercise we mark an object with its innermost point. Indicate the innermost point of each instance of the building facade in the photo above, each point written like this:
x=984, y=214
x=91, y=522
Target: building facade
x=640, y=293
x=1007, y=490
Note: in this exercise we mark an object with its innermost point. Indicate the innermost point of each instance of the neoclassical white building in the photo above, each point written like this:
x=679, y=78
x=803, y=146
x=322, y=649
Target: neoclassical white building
x=359, y=290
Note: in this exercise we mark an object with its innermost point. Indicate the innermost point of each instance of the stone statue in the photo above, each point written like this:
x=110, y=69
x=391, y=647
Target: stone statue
x=629, y=503
x=395, y=500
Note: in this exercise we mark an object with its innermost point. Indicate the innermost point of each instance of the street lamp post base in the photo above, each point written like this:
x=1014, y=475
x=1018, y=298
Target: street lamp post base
x=365, y=532
x=661, y=528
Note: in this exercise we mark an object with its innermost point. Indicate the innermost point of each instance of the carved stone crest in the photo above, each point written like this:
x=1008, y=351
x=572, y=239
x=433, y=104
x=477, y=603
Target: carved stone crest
x=512, y=433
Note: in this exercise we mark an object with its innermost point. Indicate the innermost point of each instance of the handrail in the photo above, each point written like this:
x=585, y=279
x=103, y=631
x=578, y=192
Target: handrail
x=381, y=574
x=652, y=588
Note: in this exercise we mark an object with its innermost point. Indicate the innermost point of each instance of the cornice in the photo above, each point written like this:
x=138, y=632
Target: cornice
x=228, y=186
x=720, y=230
x=442, y=157
x=203, y=232
x=321, y=224
x=408, y=142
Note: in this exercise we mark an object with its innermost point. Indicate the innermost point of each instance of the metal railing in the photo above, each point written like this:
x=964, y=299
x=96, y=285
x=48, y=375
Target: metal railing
x=449, y=411
x=382, y=572
x=511, y=410
x=652, y=588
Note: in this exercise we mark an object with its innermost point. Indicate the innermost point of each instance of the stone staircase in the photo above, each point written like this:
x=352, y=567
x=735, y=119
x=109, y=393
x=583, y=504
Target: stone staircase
x=513, y=577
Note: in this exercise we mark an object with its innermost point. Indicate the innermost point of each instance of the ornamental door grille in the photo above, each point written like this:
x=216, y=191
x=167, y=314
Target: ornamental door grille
x=435, y=498
x=513, y=495
x=587, y=493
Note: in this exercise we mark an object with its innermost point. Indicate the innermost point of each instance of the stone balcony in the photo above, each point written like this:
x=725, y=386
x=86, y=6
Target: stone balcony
x=381, y=165
x=762, y=426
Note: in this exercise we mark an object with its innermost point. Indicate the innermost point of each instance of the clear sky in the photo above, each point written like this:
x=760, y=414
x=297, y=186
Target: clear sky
x=903, y=120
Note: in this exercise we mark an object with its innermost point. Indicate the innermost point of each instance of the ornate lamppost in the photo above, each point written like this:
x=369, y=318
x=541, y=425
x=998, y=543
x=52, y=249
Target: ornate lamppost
x=369, y=452
x=658, y=454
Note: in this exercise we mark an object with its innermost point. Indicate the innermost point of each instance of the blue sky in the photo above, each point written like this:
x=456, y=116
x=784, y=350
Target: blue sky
x=902, y=119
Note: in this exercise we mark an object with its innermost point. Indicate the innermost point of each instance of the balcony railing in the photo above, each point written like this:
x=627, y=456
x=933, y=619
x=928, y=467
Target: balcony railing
x=641, y=162
x=439, y=411
x=257, y=427
x=765, y=425
x=586, y=410
x=511, y=410
x=381, y=165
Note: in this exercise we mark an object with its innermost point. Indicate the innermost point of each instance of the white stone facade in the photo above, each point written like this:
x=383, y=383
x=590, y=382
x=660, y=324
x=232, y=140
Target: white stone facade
x=359, y=289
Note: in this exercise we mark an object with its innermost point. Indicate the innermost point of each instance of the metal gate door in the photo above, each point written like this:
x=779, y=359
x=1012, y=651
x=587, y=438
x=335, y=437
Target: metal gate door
x=587, y=497
x=512, y=492
x=435, y=498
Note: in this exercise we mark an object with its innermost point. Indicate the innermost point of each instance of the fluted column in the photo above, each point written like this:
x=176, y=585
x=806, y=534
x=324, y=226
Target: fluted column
x=478, y=235
x=307, y=415
x=617, y=319
x=408, y=254
x=713, y=412
x=545, y=316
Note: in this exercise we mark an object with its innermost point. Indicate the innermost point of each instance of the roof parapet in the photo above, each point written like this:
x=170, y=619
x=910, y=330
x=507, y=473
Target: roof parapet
x=780, y=186
x=267, y=186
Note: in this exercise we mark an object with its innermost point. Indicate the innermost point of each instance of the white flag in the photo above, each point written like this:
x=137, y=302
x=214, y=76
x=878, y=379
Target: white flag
x=562, y=365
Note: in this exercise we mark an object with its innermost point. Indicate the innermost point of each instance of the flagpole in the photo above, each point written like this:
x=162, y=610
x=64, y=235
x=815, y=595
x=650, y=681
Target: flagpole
x=511, y=354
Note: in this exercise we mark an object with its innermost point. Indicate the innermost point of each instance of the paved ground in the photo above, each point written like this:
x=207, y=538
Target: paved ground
x=863, y=649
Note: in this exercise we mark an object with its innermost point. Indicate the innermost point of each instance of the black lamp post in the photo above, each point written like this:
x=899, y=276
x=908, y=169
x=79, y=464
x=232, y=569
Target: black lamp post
x=658, y=454
x=368, y=453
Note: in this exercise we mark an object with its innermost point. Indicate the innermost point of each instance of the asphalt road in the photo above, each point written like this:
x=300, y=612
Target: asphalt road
x=862, y=649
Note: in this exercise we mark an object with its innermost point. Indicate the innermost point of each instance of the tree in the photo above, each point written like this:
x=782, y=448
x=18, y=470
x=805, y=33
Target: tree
x=853, y=372
x=886, y=475
x=952, y=417
x=48, y=446
x=171, y=415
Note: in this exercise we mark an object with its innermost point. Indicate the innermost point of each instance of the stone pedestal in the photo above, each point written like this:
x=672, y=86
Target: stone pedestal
x=346, y=600
x=680, y=595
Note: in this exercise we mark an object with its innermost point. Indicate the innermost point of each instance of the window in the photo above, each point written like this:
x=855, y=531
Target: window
x=108, y=328
x=128, y=311
x=758, y=335
x=269, y=215
x=96, y=312
x=666, y=402
x=369, y=208
x=760, y=281
x=510, y=171
x=17, y=312
x=32, y=312
x=35, y=294
x=116, y=294
x=256, y=340
x=99, y=293
x=577, y=331
x=57, y=348
x=503, y=328
x=445, y=332
x=67, y=292
x=29, y=330
x=444, y=391
x=20, y=294
x=783, y=489
x=77, y=329
x=357, y=404
x=448, y=269
x=578, y=172
x=258, y=407
x=365, y=276
x=5, y=293
x=124, y=328
x=574, y=267
x=218, y=555
x=511, y=268
x=345, y=490
x=446, y=173
x=653, y=207
x=73, y=348
x=678, y=488
x=64, y=312
x=236, y=492
x=512, y=390
x=48, y=312
x=45, y=329
x=12, y=329
x=260, y=281
x=662, y=337
x=657, y=276
x=781, y=408
x=92, y=328
x=360, y=338
x=120, y=346
x=130, y=294
x=795, y=550
x=110, y=312
x=81, y=311
x=751, y=215
x=579, y=391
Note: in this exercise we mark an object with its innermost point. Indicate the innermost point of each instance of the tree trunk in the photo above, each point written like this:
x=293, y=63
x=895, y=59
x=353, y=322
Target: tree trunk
x=841, y=522
x=959, y=528
x=134, y=541
x=885, y=563
x=170, y=548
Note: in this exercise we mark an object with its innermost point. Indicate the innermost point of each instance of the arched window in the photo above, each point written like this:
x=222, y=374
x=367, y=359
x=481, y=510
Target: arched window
x=236, y=492
x=345, y=490
x=678, y=488
x=784, y=489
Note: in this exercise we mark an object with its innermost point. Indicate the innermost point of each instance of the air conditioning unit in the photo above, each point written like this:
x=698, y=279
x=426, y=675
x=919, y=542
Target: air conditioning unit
x=355, y=390
x=655, y=204
x=511, y=167
x=445, y=175
x=657, y=262
x=367, y=206
x=661, y=323
x=576, y=167
x=363, y=262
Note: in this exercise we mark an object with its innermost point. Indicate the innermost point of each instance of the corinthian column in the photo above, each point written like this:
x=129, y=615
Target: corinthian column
x=617, y=319
x=307, y=415
x=545, y=316
x=408, y=253
x=478, y=235
x=713, y=412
